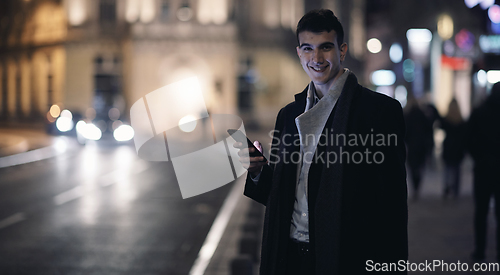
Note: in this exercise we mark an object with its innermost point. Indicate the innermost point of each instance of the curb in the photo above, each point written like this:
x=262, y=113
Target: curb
x=12, y=144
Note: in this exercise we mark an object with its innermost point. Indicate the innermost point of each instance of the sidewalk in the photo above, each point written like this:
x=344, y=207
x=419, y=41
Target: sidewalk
x=18, y=138
x=438, y=229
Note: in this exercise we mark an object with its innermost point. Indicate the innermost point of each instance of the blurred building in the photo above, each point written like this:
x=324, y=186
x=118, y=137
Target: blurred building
x=94, y=56
x=434, y=50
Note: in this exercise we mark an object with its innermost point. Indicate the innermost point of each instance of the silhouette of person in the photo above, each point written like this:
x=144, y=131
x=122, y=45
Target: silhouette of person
x=483, y=142
x=453, y=148
x=418, y=133
x=432, y=115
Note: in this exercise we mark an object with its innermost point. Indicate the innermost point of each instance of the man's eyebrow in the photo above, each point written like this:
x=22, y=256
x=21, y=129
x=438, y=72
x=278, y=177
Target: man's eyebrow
x=321, y=45
x=327, y=44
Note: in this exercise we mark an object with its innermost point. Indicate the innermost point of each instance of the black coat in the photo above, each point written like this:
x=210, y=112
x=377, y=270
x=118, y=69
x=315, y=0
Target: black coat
x=357, y=212
x=454, y=142
x=483, y=139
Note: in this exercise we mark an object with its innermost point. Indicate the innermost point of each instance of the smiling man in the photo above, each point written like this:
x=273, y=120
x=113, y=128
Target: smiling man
x=334, y=204
x=321, y=55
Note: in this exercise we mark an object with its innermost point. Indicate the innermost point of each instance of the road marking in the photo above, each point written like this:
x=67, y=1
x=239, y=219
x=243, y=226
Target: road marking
x=69, y=195
x=59, y=147
x=18, y=217
x=121, y=174
x=218, y=227
x=105, y=180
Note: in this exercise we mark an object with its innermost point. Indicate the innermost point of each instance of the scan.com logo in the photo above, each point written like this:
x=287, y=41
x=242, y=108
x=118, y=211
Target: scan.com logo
x=172, y=124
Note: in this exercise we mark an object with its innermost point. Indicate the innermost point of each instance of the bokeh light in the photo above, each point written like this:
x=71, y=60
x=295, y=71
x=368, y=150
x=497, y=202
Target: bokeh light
x=374, y=45
x=396, y=53
x=445, y=26
x=409, y=70
x=123, y=133
x=88, y=130
x=471, y=3
x=494, y=14
x=493, y=76
x=485, y=4
x=419, y=35
x=67, y=114
x=482, y=79
x=383, y=78
x=187, y=123
x=50, y=118
x=401, y=94
x=55, y=111
x=184, y=14
x=64, y=124
x=114, y=114
x=464, y=40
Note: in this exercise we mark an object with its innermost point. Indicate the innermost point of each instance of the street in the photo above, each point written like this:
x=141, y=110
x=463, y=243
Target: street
x=99, y=209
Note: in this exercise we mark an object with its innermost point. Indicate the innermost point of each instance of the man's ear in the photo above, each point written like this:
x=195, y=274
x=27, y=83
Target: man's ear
x=298, y=51
x=343, y=51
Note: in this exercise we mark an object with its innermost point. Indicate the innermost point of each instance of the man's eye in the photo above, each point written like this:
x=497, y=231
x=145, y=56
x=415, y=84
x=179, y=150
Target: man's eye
x=307, y=49
x=327, y=48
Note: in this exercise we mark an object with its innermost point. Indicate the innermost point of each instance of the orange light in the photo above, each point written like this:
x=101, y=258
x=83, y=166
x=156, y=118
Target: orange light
x=55, y=111
x=50, y=118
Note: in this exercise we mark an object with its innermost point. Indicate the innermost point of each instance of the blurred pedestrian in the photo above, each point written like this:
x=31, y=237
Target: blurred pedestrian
x=418, y=133
x=434, y=119
x=453, y=148
x=483, y=142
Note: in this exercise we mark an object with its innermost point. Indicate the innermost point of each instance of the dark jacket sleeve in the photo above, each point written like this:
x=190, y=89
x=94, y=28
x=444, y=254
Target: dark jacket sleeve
x=260, y=191
x=392, y=197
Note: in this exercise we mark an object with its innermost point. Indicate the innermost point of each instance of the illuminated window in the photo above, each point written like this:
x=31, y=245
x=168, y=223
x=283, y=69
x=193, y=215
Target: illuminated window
x=132, y=9
x=286, y=13
x=76, y=12
x=212, y=11
x=291, y=12
x=147, y=11
x=271, y=14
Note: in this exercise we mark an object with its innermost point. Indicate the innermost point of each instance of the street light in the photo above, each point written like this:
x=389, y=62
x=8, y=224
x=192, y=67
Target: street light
x=493, y=76
x=445, y=26
x=374, y=45
x=419, y=40
x=383, y=78
x=494, y=14
x=396, y=53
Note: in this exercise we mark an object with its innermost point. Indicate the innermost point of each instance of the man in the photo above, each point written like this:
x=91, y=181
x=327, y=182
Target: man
x=336, y=200
x=484, y=147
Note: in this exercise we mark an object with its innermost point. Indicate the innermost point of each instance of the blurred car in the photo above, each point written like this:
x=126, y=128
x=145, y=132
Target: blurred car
x=90, y=126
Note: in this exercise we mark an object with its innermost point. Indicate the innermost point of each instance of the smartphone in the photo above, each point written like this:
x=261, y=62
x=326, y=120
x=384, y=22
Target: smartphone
x=240, y=137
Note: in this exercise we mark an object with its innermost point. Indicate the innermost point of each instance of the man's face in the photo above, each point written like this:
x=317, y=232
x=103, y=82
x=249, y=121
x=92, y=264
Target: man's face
x=320, y=56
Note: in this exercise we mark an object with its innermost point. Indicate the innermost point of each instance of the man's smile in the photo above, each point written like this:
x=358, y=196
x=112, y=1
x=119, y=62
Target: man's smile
x=319, y=69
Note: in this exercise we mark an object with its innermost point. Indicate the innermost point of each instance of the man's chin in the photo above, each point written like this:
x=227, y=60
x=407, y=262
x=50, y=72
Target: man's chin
x=319, y=81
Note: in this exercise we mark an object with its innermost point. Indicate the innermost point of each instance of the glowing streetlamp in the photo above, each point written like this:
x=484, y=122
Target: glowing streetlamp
x=445, y=26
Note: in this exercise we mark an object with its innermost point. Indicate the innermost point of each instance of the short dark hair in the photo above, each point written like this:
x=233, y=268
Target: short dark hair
x=319, y=21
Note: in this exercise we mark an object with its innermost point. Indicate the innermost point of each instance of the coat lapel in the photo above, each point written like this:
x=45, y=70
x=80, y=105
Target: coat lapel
x=329, y=198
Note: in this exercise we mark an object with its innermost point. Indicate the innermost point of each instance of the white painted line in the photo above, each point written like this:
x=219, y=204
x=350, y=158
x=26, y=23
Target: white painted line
x=105, y=180
x=59, y=147
x=122, y=174
x=18, y=217
x=217, y=229
x=69, y=195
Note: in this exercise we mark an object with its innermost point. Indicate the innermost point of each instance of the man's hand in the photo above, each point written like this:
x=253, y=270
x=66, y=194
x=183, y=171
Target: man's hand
x=252, y=164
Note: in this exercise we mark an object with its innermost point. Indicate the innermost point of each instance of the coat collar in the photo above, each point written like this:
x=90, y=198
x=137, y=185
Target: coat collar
x=300, y=98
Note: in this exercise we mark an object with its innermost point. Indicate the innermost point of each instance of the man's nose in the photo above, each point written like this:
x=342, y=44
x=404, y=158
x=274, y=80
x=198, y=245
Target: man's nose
x=318, y=56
